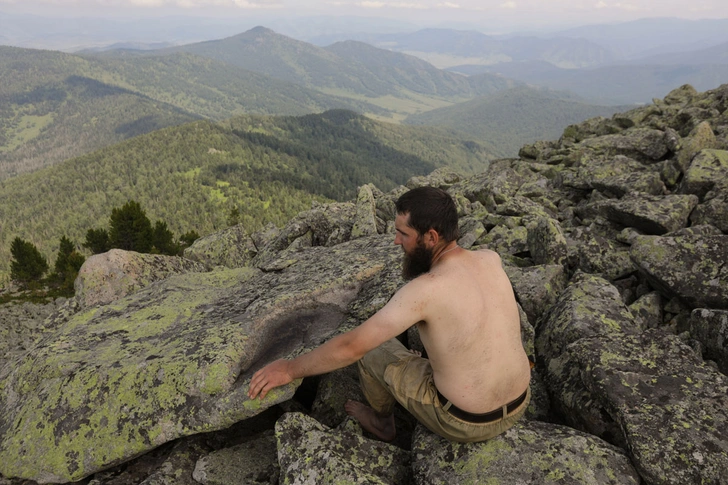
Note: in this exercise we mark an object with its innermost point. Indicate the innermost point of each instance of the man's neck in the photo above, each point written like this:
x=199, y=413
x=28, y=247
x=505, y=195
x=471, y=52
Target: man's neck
x=451, y=246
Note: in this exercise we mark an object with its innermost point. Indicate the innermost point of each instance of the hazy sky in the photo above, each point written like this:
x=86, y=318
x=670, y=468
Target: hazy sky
x=492, y=12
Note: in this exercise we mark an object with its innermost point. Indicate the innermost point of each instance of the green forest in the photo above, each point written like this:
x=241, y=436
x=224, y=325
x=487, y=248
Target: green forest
x=194, y=175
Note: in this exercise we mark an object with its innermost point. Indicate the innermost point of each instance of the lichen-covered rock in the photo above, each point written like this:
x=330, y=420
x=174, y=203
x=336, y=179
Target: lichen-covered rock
x=708, y=169
x=334, y=389
x=670, y=406
x=21, y=324
x=589, y=306
x=523, y=206
x=537, y=287
x=592, y=252
x=231, y=247
x=648, y=308
x=692, y=268
x=651, y=214
x=640, y=143
x=470, y=230
x=109, y=276
x=700, y=138
x=710, y=328
x=255, y=461
x=365, y=219
x=546, y=242
x=309, y=452
x=620, y=185
x=499, y=183
x=681, y=96
x=594, y=169
x=443, y=178
x=713, y=211
x=173, y=359
x=531, y=452
x=505, y=240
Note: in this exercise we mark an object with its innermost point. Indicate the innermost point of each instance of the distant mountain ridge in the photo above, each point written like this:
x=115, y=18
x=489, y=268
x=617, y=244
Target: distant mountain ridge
x=350, y=66
x=496, y=120
x=448, y=47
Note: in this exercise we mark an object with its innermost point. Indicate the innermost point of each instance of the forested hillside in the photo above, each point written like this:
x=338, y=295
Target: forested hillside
x=55, y=106
x=499, y=120
x=194, y=175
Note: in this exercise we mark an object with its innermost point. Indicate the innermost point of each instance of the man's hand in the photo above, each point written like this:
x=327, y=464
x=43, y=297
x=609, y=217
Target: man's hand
x=272, y=375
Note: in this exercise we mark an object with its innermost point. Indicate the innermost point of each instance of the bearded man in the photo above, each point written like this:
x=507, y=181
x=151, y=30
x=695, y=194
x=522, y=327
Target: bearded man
x=474, y=383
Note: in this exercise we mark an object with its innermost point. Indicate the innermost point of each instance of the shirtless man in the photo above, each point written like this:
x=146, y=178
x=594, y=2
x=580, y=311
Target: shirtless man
x=475, y=382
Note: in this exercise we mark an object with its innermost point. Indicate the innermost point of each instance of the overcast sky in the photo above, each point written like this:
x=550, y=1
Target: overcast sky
x=488, y=12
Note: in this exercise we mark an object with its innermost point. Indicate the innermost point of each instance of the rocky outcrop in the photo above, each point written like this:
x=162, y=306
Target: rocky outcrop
x=106, y=277
x=529, y=452
x=613, y=237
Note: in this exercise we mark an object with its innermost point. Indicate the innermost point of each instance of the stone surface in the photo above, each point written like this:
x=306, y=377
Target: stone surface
x=640, y=143
x=537, y=287
x=109, y=276
x=710, y=328
x=365, y=219
x=651, y=214
x=648, y=308
x=700, y=138
x=255, y=461
x=531, y=452
x=671, y=408
x=620, y=185
x=174, y=359
x=546, y=242
x=707, y=170
x=692, y=268
x=231, y=247
x=309, y=452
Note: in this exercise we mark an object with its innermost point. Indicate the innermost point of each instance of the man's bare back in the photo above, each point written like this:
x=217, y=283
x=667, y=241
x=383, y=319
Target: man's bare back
x=472, y=332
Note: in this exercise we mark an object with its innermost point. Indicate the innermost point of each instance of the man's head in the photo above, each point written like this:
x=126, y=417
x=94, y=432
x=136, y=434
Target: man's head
x=427, y=220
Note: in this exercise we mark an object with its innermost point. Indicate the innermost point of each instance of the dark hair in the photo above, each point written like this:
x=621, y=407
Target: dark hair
x=430, y=208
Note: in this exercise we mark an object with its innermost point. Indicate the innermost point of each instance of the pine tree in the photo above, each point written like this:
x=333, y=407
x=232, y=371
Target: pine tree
x=188, y=238
x=68, y=263
x=97, y=240
x=130, y=228
x=64, y=251
x=27, y=265
x=163, y=240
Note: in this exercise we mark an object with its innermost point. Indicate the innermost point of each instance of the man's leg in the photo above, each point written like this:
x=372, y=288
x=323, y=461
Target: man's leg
x=379, y=418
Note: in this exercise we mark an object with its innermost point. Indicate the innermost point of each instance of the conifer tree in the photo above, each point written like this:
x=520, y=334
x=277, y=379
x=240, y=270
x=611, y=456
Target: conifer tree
x=130, y=228
x=97, y=240
x=27, y=265
x=163, y=239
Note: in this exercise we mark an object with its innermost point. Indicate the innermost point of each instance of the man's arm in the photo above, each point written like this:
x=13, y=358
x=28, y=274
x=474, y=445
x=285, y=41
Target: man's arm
x=404, y=310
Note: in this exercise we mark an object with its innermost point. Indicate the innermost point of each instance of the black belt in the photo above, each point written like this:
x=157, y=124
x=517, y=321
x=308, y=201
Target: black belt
x=484, y=417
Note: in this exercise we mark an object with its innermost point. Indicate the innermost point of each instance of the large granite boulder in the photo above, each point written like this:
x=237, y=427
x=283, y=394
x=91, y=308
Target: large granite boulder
x=537, y=287
x=640, y=143
x=109, y=276
x=531, y=452
x=671, y=408
x=689, y=267
x=174, y=359
x=309, y=452
x=232, y=247
x=651, y=214
x=707, y=170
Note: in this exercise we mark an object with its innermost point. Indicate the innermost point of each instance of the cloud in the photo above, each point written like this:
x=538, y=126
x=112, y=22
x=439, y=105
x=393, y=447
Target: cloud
x=509, y=4
x=601, y=5
x=159, y=3
x=373, y=4
x=449, y=5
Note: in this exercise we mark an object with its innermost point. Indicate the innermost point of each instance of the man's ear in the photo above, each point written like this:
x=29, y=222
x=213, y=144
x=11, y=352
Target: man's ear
x=431, y=238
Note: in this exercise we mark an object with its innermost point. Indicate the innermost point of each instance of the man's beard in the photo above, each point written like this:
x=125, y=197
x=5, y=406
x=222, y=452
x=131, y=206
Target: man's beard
x=416, y=263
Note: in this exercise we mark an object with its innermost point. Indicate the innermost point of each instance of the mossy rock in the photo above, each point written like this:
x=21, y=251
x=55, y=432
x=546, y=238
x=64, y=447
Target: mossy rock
x=691, y=268
x=529, y=452
x=309, y=452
